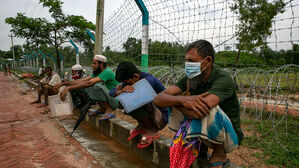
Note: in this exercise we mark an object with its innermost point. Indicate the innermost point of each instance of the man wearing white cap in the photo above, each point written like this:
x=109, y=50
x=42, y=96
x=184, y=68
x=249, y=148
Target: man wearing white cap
x=97, y=85
x=79, y=97
x=77, y=72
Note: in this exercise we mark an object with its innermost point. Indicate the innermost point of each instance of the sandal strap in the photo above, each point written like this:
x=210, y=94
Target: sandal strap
x=218, y=163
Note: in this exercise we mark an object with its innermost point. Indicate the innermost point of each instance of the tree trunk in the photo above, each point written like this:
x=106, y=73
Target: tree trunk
x=57, y=59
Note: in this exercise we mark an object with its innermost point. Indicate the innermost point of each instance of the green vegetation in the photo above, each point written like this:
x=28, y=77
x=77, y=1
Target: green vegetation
x=255, y=19
x=286, y=81
x=42, y=33
x=172, y=54
x=279, y=145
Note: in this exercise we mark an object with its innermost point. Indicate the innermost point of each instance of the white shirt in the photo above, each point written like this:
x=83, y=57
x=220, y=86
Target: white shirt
x=55, y=79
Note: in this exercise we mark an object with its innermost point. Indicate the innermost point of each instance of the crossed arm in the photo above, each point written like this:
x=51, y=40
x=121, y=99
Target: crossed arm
x=196, y=106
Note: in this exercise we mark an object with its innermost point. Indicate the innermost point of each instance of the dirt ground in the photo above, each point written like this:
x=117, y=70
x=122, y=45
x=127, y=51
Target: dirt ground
x=29, y=137
x=242, y=157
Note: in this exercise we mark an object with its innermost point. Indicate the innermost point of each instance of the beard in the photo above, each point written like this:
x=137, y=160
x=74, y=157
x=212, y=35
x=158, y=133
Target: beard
x=197, y=82
x=97, y=72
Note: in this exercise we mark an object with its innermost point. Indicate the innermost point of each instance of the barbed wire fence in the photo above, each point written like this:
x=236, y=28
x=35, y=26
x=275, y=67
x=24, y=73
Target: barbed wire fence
x=266, y=92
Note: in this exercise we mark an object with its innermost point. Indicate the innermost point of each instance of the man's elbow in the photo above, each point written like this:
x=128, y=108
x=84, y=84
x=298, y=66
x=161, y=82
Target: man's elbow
x=158, y=100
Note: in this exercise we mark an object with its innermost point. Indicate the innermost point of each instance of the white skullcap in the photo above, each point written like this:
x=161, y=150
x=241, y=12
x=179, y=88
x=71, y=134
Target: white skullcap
x=77, y=67
x=101, y=58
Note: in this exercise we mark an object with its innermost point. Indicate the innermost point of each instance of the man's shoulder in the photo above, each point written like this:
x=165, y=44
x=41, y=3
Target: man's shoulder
x=55, y=75
x=107, y=71
x=222, y=73
x=149, y=77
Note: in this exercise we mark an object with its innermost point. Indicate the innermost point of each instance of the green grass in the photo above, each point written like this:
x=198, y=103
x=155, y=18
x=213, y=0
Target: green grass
x=278, y=148
x=283, y=80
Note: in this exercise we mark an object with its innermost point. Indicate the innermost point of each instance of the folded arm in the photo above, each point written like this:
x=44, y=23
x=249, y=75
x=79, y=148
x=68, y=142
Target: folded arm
x=196, y=106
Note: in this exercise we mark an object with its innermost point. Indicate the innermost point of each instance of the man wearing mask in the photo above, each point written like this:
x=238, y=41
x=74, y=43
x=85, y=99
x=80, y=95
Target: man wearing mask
x=212, y=107
x=79, y=97
x=77, y=72
x=96, y=86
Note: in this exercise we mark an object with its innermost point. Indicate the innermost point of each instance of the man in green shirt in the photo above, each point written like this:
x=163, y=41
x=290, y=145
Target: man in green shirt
x=210, y=88
x=97, y=86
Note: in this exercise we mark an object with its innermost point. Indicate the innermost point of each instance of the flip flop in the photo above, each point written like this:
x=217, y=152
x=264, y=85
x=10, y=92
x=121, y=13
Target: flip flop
x=42, y=105
x=146, y=140
x=95, y=113
x=106, y=116
x=224, y=164
x=134, y=133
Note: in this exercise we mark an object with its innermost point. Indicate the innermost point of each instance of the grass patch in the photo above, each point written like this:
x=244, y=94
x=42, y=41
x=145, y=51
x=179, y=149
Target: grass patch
x=281, y=80
x=278, y=147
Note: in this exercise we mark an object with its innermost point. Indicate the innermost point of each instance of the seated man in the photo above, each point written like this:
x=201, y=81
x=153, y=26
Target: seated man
x=93, y=87
x=78, y=96
x=146, y=116
x=46, y=86
x=210, y=88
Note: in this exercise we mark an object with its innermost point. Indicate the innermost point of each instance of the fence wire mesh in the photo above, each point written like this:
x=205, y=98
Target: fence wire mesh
x=268, y=91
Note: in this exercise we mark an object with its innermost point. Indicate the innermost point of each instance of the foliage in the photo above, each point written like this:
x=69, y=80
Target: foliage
x=170, y=53
x=278, y=148
x=132, y=49
x=255, y=18
x=160, y=53
x=40, y=31
x=8, y=54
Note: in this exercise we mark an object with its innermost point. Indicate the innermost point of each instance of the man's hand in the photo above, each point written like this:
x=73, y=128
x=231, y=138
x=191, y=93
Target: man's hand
x=197, y=106
x=63, y=93
x=119, y=87
x=57, y=86
x=128, y=88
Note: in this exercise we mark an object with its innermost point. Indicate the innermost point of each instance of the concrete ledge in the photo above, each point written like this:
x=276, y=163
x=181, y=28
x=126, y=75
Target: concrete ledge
x=157, y=153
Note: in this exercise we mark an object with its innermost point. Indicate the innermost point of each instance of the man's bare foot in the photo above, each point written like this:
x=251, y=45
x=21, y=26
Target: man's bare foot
x=36, y=101
x=151, y=132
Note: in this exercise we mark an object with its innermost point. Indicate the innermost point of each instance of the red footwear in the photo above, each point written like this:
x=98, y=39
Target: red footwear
x=134, y=133
x=42, y=105
x=146, y=140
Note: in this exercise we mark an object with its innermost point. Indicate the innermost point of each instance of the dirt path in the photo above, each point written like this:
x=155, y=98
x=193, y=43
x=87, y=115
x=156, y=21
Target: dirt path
x=30, y=139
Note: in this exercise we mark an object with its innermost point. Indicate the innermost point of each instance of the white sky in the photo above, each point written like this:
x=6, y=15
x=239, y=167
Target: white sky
x=31, y=8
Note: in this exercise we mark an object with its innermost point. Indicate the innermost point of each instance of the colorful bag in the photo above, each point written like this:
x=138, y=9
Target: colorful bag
x=183, y=153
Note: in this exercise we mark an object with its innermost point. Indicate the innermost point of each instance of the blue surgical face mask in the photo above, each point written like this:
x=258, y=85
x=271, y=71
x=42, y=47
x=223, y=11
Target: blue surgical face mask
x=192, y=69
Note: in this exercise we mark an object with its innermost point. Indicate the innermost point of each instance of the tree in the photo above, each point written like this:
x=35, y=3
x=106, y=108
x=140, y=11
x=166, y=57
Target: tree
x=40, y=31
x=255, y=18
x=166, y=52
x=133, y=48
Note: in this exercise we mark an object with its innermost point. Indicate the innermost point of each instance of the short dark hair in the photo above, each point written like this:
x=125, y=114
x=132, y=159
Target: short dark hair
x=125, y=70
x=204, y=48
x=48, y=68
